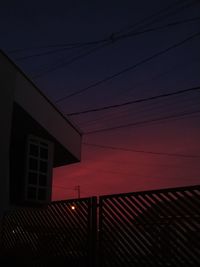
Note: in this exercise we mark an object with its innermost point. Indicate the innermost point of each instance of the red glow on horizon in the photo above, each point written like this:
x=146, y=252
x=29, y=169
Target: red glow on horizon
x=104, y=171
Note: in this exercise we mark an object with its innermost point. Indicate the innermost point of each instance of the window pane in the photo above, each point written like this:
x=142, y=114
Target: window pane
x=43, y=153
x=41, y=194
x=42, y=180
x=44, y=144
x=34, y=141
x=33, y=164
x=32, y=178
x=34, y=150
x=43, y=166
x=31, y=194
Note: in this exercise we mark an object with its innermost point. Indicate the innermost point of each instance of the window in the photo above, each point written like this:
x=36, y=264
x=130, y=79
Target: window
x=32, y=178
x=39, y=170
x=33, y=164
x=42, y=180
x=43, y=153
x=41, y=194
x=31, y=193
x=43, y=166
x=34, y=150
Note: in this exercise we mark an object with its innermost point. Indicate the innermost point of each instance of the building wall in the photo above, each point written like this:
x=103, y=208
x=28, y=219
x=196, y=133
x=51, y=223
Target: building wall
x=15, y=87
x=7, y=81
x=24, y=125
x=26, y=95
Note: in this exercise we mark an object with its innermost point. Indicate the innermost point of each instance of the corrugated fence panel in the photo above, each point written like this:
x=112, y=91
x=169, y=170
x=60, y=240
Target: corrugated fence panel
x=60, y=233
x=152, y=228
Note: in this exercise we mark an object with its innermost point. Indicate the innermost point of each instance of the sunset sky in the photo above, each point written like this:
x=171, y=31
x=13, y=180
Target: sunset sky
x=71, y=49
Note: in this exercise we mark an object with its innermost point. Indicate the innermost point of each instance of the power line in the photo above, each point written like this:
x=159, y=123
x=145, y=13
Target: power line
x=99, y=41
x=160, y=119
x=47, y=53
x=64, y=64
x=171, y=69
x=142, y=151
x=69, y=45
x=117, y=118
x=106, y=41
x=145, y=124
x=109, y=40
x=107, y=116
x=122, y=121
x=155, y=17
x=135, y=101
x=175, y=104
x=111, y=77
x=168, y=25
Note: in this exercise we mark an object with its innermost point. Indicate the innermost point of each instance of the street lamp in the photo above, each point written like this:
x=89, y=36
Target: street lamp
x=73, y=207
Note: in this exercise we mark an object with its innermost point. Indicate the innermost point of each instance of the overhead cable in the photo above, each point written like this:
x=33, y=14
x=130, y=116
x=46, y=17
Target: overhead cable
x=130, y=68
x=188, y=90
x=142, y=151
x=137, y=123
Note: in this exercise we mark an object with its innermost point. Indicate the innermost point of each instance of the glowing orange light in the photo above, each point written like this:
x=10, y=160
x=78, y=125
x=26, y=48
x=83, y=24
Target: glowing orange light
x=73, y=207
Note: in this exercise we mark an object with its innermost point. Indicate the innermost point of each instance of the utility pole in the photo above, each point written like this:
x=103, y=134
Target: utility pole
x=78, y=189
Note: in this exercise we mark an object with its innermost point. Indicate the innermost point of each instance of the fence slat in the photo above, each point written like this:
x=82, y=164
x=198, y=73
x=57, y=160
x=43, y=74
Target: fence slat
x=59, y=233
x=150, y=228
x=157, y=228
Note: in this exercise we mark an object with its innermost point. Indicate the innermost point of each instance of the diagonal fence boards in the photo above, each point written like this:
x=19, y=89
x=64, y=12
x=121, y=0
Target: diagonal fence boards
x=149, y=228
x=153, y=228
x=60, y=233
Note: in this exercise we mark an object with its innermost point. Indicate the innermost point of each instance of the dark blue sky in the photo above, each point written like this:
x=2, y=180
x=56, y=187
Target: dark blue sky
x=36, y=26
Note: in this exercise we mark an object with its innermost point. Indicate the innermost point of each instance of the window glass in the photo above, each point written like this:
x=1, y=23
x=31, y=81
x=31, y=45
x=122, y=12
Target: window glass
x=43, y=153
x=32, y=178
x=34, y=150
x=44, y=144
x=31, y=194
x=42, y=180
x=33, y=164
x=41, y=194
x=34, y=141
x=43, y=166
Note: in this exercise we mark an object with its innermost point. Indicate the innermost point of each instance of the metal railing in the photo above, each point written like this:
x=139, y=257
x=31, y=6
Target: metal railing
x=60, y=233
x=149, y=228
x=152, y=228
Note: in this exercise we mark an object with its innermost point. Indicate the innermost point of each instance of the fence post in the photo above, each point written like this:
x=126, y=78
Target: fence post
x=100, y=232
x=93, y=232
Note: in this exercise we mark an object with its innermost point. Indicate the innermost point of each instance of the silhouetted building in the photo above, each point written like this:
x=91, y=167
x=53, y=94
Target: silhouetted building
x=34, y=138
